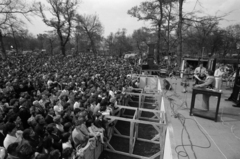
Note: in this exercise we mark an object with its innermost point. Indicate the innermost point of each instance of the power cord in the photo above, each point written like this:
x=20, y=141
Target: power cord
x=183, y=120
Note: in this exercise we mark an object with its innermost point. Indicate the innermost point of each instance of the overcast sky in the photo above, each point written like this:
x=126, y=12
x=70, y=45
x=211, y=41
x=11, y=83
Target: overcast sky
x=113, y=13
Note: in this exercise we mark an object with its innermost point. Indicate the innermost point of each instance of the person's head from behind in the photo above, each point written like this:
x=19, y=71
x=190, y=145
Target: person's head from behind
x=42, y=156
x=12, y=149
x=47, y=142
x=55, y=154
x=51, y=128
x=28, y=133
x=67, y=127
x=32, y=110
x=25, y=151
x=11, y=128
x=67, y=153
x=57, y=119
x=66, y=137
x=14, y=118
x=80, y=120
x=210, y=73
x=40, y=119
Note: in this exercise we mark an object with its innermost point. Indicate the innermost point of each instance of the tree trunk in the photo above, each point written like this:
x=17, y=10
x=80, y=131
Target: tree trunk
x=159, y=30
x=140, y=52
x=63, y=49
x=14, y=38
x=158, y=44
x=76, y=44
x=2, y=46
x=51, y=46
x=179, y=48
x=93, y=48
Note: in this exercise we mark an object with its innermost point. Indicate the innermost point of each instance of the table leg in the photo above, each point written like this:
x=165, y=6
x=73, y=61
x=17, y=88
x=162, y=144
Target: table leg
x=218, y=104
x=192, y=103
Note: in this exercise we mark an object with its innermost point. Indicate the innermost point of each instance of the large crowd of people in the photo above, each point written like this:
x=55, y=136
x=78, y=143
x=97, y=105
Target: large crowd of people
x=52, y=106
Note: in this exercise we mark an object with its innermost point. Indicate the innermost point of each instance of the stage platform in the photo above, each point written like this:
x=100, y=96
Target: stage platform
x=218, y=140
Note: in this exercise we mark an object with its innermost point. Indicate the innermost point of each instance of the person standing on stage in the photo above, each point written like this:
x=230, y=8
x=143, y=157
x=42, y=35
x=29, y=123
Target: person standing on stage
x=218, y=77
x=199, y=74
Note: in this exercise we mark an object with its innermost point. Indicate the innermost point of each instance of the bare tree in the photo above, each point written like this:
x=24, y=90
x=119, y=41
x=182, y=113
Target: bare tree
x=92, y=27
x=179, y=32
x=170, y=24
x=63, y=12
x=15, y=29
x=141, y=37
x=9, y=10
x=151, y=11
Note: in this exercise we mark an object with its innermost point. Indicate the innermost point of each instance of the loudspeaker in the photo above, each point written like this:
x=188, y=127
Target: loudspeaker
x=145, y=67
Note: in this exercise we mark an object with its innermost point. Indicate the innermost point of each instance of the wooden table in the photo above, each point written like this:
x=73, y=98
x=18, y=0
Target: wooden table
x=206, y=95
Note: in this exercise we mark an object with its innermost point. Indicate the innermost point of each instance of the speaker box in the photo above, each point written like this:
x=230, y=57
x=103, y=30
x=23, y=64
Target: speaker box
x=145, y=67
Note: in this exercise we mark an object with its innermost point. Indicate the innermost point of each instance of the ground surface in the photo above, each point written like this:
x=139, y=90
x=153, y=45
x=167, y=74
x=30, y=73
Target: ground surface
x=221, y=139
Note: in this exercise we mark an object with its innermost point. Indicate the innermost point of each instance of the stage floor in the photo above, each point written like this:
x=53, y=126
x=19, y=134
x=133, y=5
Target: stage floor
x=221, y=140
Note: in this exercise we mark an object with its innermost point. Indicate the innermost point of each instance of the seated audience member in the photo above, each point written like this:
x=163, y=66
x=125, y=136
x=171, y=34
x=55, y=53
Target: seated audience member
x=66, y=140
x=57, y=120
x=55, y=154
x=12, y=151
x=68, y=153
x=42, y=156
x=80, y=134
x=25, y=150
x=11, y=137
